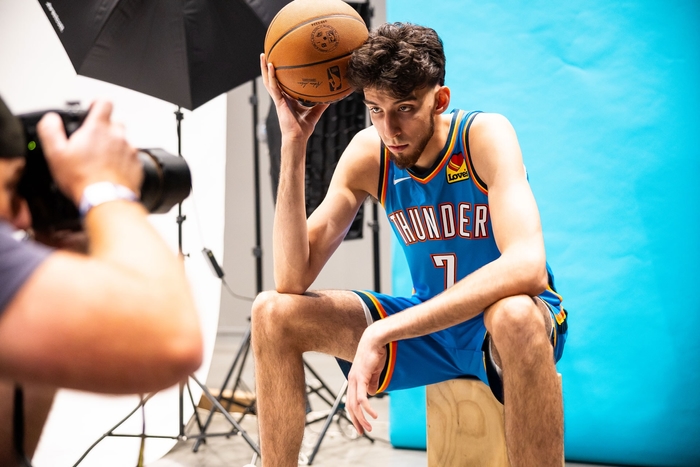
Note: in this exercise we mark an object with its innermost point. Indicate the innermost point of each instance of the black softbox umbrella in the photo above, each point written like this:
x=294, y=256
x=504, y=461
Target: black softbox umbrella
x=182, y=51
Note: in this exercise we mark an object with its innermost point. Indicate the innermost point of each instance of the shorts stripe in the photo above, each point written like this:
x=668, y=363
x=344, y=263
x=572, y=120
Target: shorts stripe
x=391, y=346
x=390, y=369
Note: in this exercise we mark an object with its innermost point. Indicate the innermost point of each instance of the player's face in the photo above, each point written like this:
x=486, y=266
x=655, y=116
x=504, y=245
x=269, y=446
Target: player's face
x=13, y=208
x=404, y=125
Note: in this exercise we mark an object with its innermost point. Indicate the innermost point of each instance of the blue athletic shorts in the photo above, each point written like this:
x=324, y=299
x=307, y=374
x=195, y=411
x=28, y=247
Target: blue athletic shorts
x=459, y=351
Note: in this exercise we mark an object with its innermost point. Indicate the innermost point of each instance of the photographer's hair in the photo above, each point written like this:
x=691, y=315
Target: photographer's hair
x=11, y=134
x=398, y=58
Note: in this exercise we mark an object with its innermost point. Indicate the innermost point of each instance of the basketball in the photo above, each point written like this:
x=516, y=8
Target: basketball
x=309, y=42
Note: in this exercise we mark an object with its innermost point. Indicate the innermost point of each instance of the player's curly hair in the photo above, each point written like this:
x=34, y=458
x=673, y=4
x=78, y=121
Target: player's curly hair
x=398, y=58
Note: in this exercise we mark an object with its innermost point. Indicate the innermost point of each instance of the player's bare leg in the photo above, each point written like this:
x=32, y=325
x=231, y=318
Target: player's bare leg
x=283, y=328
x=534, y=420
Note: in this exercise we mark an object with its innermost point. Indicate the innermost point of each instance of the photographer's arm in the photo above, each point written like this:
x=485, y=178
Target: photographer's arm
x=120, y=319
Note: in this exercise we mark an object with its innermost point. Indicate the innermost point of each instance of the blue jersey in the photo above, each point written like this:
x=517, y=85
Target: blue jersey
x=441, y=216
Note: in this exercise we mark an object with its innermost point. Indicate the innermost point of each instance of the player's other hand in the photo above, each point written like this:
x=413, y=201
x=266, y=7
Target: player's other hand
x=363, y=379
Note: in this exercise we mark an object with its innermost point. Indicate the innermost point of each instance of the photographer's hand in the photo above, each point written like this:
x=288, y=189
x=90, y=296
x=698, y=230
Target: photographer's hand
x=96, y=152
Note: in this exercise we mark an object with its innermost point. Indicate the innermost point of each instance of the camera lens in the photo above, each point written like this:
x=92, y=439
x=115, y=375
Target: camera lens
x=166, y=180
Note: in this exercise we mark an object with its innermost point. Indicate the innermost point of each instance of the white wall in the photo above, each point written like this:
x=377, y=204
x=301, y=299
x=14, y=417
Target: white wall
x=35, y=73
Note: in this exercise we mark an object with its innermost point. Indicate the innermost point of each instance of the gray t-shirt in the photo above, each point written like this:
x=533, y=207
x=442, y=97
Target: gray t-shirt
x=18, y=260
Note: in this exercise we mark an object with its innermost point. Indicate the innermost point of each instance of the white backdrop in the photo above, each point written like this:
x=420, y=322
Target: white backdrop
x=35, y=73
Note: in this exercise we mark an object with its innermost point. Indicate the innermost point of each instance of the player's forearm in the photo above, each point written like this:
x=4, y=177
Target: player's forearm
x=290, y=241
x=521, y=273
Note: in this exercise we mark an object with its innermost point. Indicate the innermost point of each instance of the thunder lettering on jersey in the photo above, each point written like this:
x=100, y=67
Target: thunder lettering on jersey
x=441, y=216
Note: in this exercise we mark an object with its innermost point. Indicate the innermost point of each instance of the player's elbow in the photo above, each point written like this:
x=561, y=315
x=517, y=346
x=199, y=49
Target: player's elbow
x=290, y=288
x=529, y=271
x=535, y=278
x=539, y=281
x=291, y=284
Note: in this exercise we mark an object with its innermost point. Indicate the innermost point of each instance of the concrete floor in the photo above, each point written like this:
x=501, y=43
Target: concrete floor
x=339, y=448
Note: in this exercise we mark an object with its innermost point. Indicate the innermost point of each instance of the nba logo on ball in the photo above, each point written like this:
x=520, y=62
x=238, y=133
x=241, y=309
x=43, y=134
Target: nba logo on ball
x=334, y=80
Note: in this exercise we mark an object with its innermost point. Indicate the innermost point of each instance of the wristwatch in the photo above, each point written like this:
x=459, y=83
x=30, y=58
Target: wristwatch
x=103, y=192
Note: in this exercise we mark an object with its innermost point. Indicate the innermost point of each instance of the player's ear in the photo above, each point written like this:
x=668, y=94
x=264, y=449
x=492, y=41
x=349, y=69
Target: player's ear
x=442, y=99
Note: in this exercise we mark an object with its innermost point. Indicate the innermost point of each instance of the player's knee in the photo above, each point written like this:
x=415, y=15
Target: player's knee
x=261, y=314
x=270, y=316
x=515, y=322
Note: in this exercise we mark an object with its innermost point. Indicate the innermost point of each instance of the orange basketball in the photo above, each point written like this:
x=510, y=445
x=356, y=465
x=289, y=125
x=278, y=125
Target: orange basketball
x=309, y=42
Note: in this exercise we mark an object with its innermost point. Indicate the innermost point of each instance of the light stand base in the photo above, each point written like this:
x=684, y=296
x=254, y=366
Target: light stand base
x=181, y=436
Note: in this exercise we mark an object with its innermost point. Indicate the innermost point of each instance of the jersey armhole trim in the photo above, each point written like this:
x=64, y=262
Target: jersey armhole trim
x=470, y=164
x=383, y=174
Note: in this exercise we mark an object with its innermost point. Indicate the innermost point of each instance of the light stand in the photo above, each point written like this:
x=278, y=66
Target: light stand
x=243, y=350
x=181, y=436
x=237, y=429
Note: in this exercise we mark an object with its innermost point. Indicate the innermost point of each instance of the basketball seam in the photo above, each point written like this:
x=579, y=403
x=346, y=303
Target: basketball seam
x=291, y=67
x=311, y=20
x=287, y=88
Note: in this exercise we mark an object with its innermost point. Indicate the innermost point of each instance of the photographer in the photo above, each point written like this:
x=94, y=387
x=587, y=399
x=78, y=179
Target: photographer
x=119, y=318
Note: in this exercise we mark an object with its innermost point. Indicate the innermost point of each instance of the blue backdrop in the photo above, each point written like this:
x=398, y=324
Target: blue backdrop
x=605, y=97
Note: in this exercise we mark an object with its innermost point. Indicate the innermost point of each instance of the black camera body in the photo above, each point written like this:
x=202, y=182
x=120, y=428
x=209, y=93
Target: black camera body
x=166, y=178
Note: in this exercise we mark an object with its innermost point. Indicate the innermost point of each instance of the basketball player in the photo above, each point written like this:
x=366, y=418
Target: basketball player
x=456, y=194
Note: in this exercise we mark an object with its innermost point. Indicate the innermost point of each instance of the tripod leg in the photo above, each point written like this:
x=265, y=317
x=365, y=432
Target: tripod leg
x=111, y=430
x=242, y=350
x=194, y=406
x=181, y=413
x=323, y=386
x=227, y=415
x=329, y=419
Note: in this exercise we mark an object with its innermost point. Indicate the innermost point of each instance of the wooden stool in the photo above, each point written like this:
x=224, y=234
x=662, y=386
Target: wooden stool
x=465, y=425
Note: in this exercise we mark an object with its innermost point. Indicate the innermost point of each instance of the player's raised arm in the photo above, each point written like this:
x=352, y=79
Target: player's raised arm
x=356, y=176
x=289, y=236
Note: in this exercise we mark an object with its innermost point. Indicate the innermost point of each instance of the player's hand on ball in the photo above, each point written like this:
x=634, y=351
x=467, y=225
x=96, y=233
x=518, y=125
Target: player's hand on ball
x=297, y=121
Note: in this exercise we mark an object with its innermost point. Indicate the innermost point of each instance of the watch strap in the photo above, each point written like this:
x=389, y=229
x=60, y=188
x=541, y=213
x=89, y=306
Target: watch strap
x=103, y=192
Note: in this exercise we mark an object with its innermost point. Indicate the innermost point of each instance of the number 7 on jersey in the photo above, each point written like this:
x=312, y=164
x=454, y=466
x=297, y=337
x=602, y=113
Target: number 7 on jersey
x=448, y=261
